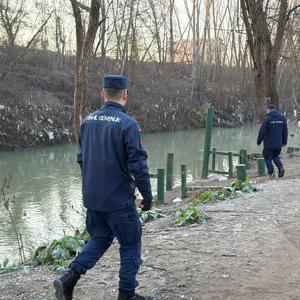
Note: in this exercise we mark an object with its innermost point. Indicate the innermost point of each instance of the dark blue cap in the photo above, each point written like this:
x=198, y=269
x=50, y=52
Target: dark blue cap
x=271, y=106
x=117, y=82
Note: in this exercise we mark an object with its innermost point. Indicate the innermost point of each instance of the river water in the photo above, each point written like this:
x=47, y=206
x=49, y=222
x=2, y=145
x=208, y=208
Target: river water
x=47, y=184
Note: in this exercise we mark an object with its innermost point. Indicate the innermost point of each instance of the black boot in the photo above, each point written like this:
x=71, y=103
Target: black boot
x=64, y=285
x=281, y=172
x=132, y=296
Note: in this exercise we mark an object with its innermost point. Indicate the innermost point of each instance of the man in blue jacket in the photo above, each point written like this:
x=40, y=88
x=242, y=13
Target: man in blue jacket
x=113, y=163
x=274, y=133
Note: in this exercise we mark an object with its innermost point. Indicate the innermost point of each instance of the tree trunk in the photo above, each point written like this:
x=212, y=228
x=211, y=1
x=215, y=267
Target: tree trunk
x=84, y=50
x=172, y=52
x=265, y=54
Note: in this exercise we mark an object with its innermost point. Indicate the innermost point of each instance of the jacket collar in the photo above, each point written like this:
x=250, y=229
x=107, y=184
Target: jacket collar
x=113, y=105
x=273, y=113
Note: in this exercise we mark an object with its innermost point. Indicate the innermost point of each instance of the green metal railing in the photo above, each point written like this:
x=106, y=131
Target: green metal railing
x=242, y=155
x=165, y=178
x=291, y=150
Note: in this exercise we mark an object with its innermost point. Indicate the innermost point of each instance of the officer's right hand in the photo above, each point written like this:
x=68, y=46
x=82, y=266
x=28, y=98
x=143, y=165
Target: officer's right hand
x=145, y=205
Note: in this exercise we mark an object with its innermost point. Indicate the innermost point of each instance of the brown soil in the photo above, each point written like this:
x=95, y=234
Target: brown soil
x=248, y=250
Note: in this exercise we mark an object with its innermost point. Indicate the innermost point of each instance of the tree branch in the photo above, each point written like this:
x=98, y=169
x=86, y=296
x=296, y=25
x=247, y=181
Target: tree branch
x=249, y=31
x=82, y=6
x=291, y=11
x=280, y=30
x=7, y=69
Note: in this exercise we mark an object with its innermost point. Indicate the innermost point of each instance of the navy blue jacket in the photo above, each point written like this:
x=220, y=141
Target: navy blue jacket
x=273, y=131
x=112, y=159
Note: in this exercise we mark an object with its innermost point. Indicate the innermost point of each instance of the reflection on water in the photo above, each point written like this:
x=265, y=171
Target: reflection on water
x=188, y=147
x=47, y=182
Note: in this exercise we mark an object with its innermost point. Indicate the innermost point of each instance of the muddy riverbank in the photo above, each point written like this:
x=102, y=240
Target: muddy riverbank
x=36, y=98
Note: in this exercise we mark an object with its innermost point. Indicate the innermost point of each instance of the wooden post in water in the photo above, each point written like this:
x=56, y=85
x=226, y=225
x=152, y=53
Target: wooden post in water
x=261, y=167
x=230, y=164
x=241, y=172
x=183, y=181
x=207, y=141
x=213, y=161
x=170, y=168
x=160, y=186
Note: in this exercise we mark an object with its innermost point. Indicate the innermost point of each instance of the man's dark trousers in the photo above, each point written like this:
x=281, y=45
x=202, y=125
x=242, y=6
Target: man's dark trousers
x=103, y=227
x=272, y=155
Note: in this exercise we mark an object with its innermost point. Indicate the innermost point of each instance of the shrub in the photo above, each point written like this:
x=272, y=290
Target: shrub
x=59, y=252
x=246, y=187
x=190, y=215
x=225, y=193
x=150, y=215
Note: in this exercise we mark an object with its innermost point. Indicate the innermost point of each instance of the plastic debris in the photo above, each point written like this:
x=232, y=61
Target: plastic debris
x=177, y=200
x=222, y=178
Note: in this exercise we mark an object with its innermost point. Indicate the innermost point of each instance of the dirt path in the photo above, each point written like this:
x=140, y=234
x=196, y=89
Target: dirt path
x=250, y=249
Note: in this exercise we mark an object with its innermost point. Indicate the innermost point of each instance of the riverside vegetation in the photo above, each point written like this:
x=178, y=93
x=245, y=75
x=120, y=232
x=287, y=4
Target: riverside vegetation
x=192, y=214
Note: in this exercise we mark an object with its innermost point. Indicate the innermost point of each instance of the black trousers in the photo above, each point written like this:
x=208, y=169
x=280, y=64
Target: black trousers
x=103, y=227
x=272, y=155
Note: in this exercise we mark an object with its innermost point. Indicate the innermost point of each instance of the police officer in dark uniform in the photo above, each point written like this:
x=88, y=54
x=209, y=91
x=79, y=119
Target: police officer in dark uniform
x=274, y=133
x=113, y=163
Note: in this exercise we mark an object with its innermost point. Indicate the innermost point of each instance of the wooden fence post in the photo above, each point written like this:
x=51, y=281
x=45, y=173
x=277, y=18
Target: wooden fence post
x=207, y=142
x=241, y=172
x=230, y=164
x=160, y=186
x=183, y=181
x=170, y=169
x=261, y=167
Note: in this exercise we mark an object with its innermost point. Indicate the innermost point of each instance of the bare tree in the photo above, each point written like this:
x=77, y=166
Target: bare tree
x=12, y=16
x=264, y=51
x=84, y=50
x=60, y=35
x=172, y=50
x=156, y=29
x=196, y=50
x=14, y=60
x=124, y=57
